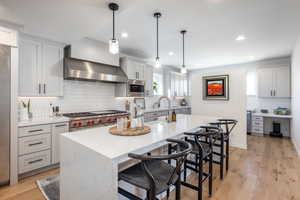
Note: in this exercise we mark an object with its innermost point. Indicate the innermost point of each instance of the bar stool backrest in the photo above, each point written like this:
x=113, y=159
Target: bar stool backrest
x=183, y=149
x=208, y=132
x=227, y=125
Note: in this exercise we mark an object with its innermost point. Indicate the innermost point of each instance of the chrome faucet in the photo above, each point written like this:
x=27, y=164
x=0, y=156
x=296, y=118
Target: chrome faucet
x=169, y=117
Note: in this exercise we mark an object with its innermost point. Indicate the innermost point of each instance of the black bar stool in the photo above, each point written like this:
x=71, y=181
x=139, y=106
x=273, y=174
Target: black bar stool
x=202, y=146
x=155, y=175
x=226, y=125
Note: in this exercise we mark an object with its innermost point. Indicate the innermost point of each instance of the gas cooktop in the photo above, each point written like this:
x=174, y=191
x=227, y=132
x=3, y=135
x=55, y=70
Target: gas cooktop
x=96, y=118
x=94, y=113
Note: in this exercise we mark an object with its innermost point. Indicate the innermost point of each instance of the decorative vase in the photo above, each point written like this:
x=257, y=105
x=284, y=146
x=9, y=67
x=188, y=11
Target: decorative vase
x=24, y=114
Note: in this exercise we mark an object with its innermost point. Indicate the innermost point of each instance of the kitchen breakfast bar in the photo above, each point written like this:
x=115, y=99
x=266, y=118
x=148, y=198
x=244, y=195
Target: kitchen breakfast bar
x=90, y=158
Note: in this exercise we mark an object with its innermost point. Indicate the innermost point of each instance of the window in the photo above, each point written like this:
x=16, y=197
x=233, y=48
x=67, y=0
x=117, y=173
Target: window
x=179, y=84
x=158, y=84
x=251, y=83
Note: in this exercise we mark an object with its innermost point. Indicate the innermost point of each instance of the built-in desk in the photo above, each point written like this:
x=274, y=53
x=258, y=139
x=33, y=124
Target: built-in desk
x=262, y=123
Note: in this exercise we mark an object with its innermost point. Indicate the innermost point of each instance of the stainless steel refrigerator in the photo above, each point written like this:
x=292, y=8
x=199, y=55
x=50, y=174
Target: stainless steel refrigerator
x=5, y=107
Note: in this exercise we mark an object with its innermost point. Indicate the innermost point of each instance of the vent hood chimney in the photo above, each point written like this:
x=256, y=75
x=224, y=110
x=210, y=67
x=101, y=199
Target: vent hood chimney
x=78, y=69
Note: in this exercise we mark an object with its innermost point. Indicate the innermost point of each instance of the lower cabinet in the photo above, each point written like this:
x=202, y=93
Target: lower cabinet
x=57, y=130
x=38, y=146
x=257, y=125
x=34, y=143
x=34, y=161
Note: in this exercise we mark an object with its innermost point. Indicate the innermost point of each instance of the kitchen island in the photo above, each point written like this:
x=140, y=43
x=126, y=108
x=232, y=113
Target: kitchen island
x=90, y=158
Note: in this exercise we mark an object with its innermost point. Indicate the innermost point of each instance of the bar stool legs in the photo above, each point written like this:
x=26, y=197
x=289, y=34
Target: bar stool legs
x=227, y=154
x=222, y=160
x=210, y=181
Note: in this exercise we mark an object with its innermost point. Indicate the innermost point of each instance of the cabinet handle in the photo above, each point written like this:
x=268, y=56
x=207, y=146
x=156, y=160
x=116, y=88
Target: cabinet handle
x=37, y=143
x=35, y=161
x=39, y=88
x=60, y=125
x=44, y=88
x=271, y=92
x=37, y=130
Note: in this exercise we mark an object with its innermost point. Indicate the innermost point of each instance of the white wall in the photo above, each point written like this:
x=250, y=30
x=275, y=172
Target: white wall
x=296, y=96
x=234, y=108
x=93, y=50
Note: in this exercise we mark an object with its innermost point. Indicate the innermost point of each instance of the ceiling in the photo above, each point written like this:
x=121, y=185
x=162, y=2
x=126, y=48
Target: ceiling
x=271, y=27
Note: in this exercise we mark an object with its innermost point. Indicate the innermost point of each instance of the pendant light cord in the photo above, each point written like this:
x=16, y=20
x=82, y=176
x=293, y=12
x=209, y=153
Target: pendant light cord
x=157, y=37
x=183, y=55
x=113, y=25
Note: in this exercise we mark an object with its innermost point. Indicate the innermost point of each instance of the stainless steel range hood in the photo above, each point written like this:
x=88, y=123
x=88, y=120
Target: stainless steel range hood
x=78, y=69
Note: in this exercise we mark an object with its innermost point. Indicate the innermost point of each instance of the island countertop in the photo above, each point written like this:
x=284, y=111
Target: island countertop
x=113, y=146
x=89, y=159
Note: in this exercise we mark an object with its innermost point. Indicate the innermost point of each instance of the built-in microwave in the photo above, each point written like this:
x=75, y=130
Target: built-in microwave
x=136, y=88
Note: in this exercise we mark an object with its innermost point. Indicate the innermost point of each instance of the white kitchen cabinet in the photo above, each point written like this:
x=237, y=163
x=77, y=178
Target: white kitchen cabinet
x=41, y=67
x=34, y=161
x=52, y=69
x=38, y=146
x=274, y=82
x=29, y=67
x=282, y=82
x=57, y=130
x=148, y=75
x=133, y=69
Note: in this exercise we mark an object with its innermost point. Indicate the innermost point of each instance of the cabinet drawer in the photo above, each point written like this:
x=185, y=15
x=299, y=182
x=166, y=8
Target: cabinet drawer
x=34, y=161
x=257, y=129
x=257, y=123
x=34, y=130
x=257, y=118
x=34, y=143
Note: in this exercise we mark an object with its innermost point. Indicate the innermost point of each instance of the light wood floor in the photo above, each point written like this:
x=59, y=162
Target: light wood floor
x=268, y=170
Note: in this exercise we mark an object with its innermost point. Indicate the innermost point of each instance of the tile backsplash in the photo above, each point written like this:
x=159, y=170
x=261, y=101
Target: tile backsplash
x=255, y=103
x=80, y=96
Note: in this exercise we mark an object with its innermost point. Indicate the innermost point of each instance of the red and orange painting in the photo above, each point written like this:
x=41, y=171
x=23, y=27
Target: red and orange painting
x=215, y=87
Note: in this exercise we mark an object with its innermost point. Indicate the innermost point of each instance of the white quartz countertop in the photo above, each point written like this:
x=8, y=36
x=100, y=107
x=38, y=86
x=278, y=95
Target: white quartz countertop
x=43, y=120
x=272, y=115
x=114, y=147
x=164, y=109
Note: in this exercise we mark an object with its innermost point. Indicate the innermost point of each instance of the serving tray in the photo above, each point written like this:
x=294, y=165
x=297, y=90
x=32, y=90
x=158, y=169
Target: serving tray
x=130, y=132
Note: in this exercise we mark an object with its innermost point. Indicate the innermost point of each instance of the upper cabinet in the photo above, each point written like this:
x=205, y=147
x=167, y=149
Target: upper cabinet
x=133, y=69
x=29, y=67
x=137, y=70
x=274, y=82
x=40, y=67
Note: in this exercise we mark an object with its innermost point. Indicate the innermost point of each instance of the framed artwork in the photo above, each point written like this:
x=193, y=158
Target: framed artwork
x=216, y=87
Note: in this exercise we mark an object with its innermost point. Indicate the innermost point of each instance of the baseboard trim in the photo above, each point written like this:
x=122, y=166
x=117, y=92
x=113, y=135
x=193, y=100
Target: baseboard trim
x=296, y=147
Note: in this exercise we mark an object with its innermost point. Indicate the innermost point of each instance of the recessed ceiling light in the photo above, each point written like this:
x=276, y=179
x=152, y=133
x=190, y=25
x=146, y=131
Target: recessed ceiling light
x=124, y=35
x=171, y=53
x=240, y=38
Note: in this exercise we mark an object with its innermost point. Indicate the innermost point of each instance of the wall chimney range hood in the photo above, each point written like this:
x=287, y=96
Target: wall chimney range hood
x=78, y=69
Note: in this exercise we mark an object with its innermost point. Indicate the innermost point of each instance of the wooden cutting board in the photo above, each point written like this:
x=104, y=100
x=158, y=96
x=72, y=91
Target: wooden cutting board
x=130, y=132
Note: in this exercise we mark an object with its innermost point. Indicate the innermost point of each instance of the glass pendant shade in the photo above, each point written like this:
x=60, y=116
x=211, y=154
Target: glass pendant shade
x=114, y=46
x=157, y=63
x=183, y=70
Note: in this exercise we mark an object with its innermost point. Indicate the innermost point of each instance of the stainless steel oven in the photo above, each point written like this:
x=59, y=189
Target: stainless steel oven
x=136, y=88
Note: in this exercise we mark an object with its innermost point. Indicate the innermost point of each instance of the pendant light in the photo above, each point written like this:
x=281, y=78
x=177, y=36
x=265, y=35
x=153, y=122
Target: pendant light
x=183, y=67
x=113, y=43
x=157, y=15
